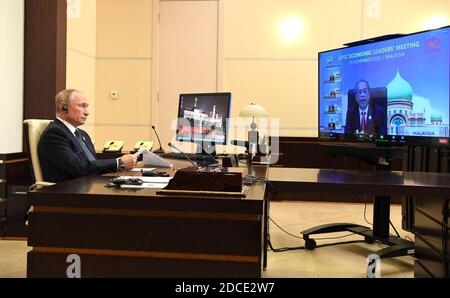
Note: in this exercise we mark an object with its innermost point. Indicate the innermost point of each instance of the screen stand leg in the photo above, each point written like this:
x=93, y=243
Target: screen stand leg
x=381, y=212
x=380, y=233
x=206, y=148
x=397, y=246
x=207, y=152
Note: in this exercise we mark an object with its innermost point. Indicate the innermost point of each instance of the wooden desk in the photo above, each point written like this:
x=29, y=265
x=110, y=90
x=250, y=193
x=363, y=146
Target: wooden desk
x=394, y=183
x=137, y=233
x=14, y=183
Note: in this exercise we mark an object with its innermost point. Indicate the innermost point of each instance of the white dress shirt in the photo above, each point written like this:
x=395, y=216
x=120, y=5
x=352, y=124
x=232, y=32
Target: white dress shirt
x=69, y=126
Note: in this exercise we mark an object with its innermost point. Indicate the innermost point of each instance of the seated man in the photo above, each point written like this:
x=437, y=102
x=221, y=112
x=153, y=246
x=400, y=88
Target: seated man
x=65, y=151
x=367, y=117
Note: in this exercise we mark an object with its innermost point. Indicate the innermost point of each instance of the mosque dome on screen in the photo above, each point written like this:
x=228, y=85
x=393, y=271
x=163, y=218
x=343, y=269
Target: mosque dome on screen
x=399, y=88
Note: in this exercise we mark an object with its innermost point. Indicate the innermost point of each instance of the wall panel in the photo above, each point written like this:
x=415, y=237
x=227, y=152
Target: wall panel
x=45, y=56
x=287, y=89
x=402, y=16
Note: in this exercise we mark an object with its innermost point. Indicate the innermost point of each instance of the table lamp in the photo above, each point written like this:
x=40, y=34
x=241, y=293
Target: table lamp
x=255, y=111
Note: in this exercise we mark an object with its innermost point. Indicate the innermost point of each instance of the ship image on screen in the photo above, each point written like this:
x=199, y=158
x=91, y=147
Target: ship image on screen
x=202, y=117
x=387, y=91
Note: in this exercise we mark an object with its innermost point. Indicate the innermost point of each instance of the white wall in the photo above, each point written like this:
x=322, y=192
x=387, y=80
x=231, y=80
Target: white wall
x=81, y=54
x=109, y=48
x=11, y=74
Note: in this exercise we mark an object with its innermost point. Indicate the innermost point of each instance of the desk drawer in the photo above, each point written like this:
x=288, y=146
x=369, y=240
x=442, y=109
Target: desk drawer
x=100, y=264
x=16, y=208
x=2, y=216
x=123, y=230
x=2, y=169
x=431, y=207
x=431, y=261
x=2, y=198
x=420, y=271
x=2, y=188
x=429, y=230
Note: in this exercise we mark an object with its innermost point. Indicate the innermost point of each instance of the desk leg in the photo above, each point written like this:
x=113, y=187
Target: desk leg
x=381, y=215
x=266, y=229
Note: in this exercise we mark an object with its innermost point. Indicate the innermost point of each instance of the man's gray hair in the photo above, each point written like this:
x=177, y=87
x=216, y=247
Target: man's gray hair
x=63, y=97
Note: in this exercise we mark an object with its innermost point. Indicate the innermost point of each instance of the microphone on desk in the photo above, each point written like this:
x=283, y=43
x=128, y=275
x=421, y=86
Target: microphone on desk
x=160, y=150
x=184, y=154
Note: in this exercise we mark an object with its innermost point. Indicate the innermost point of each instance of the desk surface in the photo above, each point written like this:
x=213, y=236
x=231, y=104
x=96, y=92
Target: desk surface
x=392, y=183
x=96, y=186
x=90, y=192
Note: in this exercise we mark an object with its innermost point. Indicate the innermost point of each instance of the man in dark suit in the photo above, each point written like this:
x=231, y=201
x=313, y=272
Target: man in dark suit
x=65, y=151
x=367, y=118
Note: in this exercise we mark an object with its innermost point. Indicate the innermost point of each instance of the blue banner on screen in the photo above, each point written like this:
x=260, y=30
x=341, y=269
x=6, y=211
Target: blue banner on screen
x=392, y=91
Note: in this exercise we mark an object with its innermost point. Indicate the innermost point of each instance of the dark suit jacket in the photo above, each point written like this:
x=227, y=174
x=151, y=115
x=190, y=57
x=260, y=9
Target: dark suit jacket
x=62, y=157
x=376, y=121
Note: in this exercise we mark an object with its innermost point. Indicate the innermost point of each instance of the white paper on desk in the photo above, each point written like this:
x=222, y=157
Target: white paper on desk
x=142, y=150
x=147, y=179
x=145, y=185
x=151, y=159
x=142, y=169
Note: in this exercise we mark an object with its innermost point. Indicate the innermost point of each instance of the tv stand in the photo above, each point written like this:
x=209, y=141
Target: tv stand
x=381, y=157
x=206, y=148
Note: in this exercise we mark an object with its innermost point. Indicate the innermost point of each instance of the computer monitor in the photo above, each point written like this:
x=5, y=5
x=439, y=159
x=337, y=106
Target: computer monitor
x=390, y=90
x=202, y=118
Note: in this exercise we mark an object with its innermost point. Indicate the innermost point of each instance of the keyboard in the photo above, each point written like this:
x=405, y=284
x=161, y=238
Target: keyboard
x=193, y=156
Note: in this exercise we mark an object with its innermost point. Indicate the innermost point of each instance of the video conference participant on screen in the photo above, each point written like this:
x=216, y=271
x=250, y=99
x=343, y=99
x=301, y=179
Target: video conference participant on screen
x=65, y=151
x=367, y=117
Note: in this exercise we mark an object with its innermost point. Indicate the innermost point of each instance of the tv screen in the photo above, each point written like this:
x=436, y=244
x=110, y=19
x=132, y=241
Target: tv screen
x=202, y=117
x=387, y=91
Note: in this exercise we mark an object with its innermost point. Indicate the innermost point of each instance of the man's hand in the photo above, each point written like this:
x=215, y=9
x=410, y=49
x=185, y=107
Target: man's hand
x=129, y=161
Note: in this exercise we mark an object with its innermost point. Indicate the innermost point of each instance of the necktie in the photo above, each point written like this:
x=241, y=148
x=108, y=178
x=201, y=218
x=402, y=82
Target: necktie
x=363, y=122
x=83, y=145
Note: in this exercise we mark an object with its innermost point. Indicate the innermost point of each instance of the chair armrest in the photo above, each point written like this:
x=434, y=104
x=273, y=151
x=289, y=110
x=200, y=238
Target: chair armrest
x=40, y=184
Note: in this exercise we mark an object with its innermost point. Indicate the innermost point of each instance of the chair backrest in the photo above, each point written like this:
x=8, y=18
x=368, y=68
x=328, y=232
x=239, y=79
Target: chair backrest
x=35, y=129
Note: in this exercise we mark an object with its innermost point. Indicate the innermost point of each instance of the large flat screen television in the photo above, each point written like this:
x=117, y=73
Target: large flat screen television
x=387, y=90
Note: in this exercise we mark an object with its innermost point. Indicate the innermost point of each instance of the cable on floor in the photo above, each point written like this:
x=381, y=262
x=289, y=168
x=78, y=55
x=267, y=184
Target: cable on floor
x=282, y=249
x=398, y=235
x=365, y=209
x=290, y=234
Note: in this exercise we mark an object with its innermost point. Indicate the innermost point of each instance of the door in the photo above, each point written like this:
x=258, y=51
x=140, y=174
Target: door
x=188, y=57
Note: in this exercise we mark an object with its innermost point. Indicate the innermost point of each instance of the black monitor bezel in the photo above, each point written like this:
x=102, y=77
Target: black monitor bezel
x=192, y=140
x=387, y=140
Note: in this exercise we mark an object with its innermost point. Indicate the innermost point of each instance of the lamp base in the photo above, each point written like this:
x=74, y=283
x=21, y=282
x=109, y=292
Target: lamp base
x=253, y=137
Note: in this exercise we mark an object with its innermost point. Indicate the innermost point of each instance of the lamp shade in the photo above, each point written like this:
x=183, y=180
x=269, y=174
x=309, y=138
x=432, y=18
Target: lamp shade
x=253, y=110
